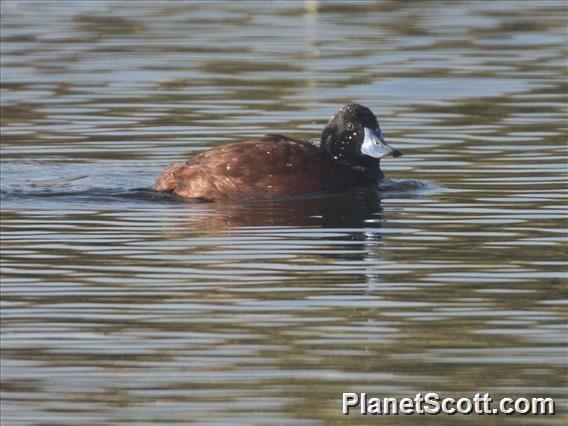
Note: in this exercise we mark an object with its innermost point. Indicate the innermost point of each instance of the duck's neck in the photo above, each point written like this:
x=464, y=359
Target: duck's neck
x=366, y=168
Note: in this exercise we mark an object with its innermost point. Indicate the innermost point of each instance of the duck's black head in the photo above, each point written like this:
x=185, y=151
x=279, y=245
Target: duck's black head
x=353, y=135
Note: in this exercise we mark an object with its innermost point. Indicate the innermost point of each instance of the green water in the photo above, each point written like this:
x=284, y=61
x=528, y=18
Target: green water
x=121, y=306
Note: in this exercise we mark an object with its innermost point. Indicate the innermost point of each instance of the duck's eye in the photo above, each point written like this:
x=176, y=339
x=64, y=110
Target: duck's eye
x=350, y=126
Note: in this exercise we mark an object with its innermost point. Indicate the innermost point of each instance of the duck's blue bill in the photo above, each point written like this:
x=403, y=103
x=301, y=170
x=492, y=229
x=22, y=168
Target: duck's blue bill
x=375, y=146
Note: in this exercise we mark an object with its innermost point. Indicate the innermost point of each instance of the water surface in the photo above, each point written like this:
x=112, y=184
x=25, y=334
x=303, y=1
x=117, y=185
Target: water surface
x=120, y=305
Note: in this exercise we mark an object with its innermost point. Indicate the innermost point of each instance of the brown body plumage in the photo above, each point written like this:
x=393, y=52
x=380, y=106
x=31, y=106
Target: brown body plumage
x=273, y=166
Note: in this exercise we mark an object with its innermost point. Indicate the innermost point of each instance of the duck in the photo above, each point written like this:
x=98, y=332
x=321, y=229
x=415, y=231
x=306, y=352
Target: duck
x=274, y=166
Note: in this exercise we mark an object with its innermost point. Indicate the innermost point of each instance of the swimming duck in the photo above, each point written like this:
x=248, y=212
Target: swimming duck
x=349, y=154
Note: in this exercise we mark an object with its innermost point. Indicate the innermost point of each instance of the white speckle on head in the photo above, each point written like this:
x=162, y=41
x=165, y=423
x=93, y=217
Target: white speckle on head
x=228, y=167
x=267, y=152
x=350, y=137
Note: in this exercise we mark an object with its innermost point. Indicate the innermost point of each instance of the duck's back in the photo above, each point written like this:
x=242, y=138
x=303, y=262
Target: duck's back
x=269, y=167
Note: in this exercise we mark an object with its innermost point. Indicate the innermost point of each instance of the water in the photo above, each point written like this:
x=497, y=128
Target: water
x=120, y=305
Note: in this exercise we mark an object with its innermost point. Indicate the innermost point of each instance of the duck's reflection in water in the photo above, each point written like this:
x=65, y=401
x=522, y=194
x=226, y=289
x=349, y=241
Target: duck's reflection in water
x=358, y=209
x=323, y=237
